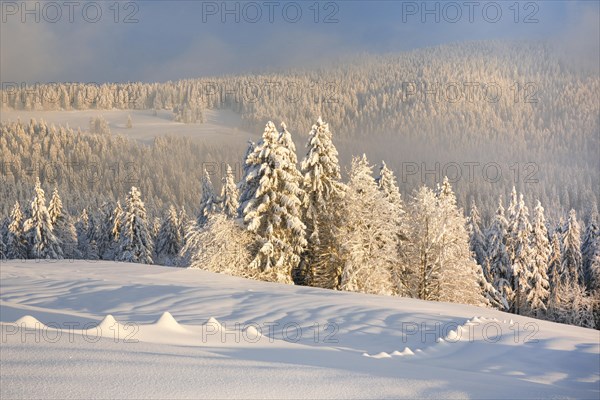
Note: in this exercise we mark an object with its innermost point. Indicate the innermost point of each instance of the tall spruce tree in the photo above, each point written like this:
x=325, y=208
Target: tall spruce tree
x=461, y=279
x=63, y=227
x=274, y=212
x=555, y=298
x=323, y=195
x=589, y=246
x=39, y=230
x=571, y=264
x=249, y=183
x=208, y=201
x=82, y=228
x=229, y=195
x=169, y=241
x=135, y=240
x=16, y=242
x=106, y=238
x=537, y=297
x=520, y=255
x=477, y=239
x=117, y=218
x=386, y=182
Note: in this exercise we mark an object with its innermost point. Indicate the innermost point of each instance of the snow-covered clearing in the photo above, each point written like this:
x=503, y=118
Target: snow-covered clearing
x=220, y=125
x=182, y=333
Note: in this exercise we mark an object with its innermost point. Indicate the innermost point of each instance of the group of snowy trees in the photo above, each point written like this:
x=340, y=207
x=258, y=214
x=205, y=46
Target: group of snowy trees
x=94, y=167
x=306, y=226
x=47, y=232
x=300, y=223
x=540, y=272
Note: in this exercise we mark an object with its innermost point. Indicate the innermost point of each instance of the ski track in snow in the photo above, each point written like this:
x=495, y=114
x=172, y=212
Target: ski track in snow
x=159, y=332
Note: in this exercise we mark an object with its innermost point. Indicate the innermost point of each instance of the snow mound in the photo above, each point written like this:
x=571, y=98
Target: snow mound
x=383, y=354
x=405, y=352
x=29, y=322
x=453, y=336
x=440, y=340
x=109, y=322
x=252, y=333
x=213, y=321
x=167, y=321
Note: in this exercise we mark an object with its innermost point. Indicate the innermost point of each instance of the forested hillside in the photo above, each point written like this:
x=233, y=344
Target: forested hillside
x=490, y=115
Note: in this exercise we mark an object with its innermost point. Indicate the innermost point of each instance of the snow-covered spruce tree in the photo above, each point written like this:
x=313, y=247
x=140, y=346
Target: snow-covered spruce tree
x=321, y=264
x=497, y=260
x=16, y=242
x=248, y=184
x=520, y=255
x=477, y=239
x=155, y=225
x=183, y=223
x=68, y=236
x=274, y=213
x=461, y=279
x=117, y=217
x=288, y=153
x=424, y=249
x=208, y=201
x=537, y=297
x=557, y=285
x=169, y=241
x=224, y=246
x=589, y=249
x=191, y=243
x=386, y=182
x=229, y=195
x=38, y=229
x=571, y=264
x=477, y=245
x=63, y=227
x=55, y=207
x=81, y=229
x=106, y=238
x=4, y=238
x=135, y=244
x=369, y=247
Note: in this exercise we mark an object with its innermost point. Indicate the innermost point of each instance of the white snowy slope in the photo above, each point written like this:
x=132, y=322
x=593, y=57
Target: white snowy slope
x=220, y=127
x=105, y=330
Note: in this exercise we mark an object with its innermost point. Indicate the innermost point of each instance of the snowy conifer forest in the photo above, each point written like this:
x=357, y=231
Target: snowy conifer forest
x=298, y=222
x=391, y=207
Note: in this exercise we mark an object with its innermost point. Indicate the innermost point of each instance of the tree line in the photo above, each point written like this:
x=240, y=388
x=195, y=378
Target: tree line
x=299, y=222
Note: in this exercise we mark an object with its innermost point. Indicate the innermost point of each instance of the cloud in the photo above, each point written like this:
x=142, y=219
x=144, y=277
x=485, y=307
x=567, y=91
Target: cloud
x=579, y=43
x=170, y=41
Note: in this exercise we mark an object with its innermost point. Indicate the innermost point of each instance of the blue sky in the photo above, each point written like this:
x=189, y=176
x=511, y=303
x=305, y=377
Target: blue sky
x=180, y=39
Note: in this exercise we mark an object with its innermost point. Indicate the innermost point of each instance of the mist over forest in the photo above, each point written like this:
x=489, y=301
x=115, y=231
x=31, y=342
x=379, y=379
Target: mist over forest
x=490, y=115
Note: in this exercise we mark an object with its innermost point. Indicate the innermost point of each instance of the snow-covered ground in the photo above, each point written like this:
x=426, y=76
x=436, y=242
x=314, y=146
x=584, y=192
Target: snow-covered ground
x=180, y=333
x=220, y=125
